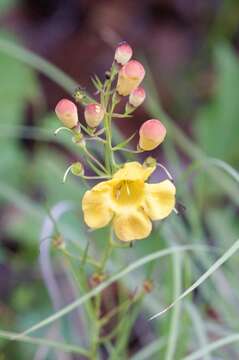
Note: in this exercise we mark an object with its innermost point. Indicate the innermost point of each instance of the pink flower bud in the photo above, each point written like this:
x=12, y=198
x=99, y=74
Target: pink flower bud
x=123, y=53
x=130, y=76
x=151, y=134
x=66, y=112
x=94, y=114
x=137, y=97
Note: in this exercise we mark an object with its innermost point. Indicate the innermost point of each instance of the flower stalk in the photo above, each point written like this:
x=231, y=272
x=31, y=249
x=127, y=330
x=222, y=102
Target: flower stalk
x=123, y=201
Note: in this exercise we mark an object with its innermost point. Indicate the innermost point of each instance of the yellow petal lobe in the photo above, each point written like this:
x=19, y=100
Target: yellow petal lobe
x=159, y=199
x=132, y=226
x=96, y=206
x=134, y=171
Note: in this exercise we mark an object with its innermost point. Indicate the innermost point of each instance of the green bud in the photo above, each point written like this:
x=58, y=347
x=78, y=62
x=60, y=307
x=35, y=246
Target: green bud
x=150, y=162
x=79, y=95
x=58, y=242
x=77, y=169
x=78, y=138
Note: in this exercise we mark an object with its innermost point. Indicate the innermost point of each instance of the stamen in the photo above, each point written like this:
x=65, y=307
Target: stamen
x=117, y=194
x=127, y=188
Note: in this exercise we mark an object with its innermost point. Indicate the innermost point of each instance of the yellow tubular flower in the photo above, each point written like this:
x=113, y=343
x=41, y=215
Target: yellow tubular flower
x=129, y=202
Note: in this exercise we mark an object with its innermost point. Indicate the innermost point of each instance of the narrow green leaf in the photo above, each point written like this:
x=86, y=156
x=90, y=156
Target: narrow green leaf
x=213, y=346
x=137, y=264
x=199, y=326
x=175, y=321
x=97, y=83
x=231, y=251
x=41, y=341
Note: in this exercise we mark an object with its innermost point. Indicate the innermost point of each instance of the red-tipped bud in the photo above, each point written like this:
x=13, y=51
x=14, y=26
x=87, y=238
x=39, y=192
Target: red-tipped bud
x=130, y=76
x=151, y=134
x=94, y=114
x=66, y=112
x=123, y=53
x=137, y=96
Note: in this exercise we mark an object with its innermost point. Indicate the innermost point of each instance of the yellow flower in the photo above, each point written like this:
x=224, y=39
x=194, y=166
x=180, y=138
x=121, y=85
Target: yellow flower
x=129, y=202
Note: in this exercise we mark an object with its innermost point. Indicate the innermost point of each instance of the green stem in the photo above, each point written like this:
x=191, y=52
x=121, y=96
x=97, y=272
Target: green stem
x=125, y=329
x=93, y=158
x=81, y=280
x=84, y=259
x=97, y=328
x=98, y=325
x=108, y=250
x=115, y=311
x=109, y=154
x=108, y=148
x=128, y=150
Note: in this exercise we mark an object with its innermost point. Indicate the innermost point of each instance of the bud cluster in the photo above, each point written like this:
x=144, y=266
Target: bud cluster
x=123, y=80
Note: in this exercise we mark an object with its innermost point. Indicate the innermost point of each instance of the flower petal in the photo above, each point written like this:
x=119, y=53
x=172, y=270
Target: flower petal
x=159, y=199
x=96, y=206
x=132, y=226
x=134, y=171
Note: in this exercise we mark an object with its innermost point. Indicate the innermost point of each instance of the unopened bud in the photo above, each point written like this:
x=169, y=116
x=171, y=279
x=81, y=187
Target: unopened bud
x=137, y=97
x=78, y=138
x=94, y=114
x=77, y=169
x=80, y=96
x=123, y=53
x=58, y=242
x=130, y=76
x=96, y=279
x=66, y=112
x=150, y=162
x=148, y=286
x=151, y=134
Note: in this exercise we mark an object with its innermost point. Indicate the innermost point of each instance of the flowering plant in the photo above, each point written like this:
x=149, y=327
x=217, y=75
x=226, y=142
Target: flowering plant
x=121, y=198
x=124, y=198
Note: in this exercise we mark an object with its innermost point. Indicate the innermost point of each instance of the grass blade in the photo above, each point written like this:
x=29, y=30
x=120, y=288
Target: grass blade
x=213, y=346
x=231, y=251
x=226, y=167
x=38, y=63
x=148, y=351
x=137, y=264
x=199, y=327
x=174, y=326
x=41, y=341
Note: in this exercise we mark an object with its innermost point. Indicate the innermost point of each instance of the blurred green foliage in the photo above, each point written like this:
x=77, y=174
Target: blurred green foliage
x=29, y=181
x=216, y=125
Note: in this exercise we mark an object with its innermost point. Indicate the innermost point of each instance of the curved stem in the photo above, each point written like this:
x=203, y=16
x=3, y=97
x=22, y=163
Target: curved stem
x=61, y=129
x=166, y=171
x=66, y=173
x=128, y=150
x=93, y=158
x=88, y=259
x=96, y=138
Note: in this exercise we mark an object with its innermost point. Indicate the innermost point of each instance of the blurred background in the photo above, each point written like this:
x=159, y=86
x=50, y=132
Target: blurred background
x=191, y=48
